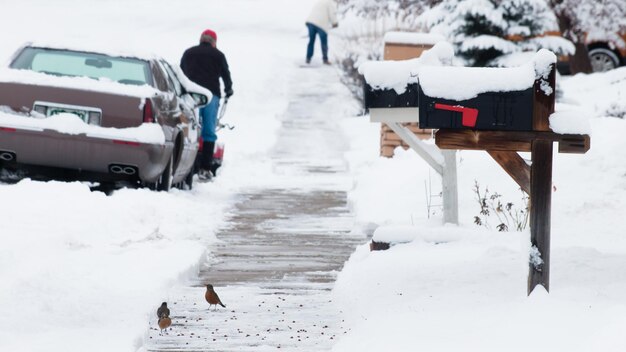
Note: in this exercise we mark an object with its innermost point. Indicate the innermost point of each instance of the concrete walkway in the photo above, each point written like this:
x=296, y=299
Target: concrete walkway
x=283, y=247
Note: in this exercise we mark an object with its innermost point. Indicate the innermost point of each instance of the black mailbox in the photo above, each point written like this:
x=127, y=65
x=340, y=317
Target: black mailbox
x=495, y=111
x=388, y=98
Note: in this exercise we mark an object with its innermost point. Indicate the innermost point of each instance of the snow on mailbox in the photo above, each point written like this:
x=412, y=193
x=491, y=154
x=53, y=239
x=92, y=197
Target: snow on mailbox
x=391, y=89
x=485, y=98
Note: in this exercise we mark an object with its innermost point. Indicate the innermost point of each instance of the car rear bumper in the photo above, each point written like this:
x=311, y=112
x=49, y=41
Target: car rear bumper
x=84, y=153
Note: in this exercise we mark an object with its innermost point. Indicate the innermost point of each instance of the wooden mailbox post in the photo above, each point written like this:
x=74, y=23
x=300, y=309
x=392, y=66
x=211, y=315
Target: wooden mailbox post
x=504, y=145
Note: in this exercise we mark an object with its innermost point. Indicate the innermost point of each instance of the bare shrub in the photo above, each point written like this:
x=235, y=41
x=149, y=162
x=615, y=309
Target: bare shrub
x=509, y=217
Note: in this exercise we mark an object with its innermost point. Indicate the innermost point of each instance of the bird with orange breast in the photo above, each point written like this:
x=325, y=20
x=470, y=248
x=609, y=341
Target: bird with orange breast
x=164, y=317
x=212, y=297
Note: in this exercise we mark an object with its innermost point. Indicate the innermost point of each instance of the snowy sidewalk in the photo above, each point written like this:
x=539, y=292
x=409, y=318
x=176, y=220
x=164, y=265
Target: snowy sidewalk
x=284, y=244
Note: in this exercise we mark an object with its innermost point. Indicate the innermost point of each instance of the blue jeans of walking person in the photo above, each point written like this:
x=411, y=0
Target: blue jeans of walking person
x=208, y=113
x=316, y=31
x=209, y=119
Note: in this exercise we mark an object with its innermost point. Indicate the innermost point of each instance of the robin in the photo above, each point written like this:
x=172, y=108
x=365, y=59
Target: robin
x=164, y=323
x=212, y=297
x=163, y=311
x=164, y=316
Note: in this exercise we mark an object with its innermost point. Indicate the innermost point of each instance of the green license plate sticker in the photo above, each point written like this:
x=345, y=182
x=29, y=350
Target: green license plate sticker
x=81, y=114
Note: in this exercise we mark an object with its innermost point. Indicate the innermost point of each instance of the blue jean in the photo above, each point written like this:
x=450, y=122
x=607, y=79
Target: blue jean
x=313, y=31
x=208, y=113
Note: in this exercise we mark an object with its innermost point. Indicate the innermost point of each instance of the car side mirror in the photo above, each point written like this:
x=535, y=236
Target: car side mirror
x=200, y=99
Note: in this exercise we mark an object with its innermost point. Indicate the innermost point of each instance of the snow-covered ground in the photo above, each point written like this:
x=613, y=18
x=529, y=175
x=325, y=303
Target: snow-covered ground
x=82, y=271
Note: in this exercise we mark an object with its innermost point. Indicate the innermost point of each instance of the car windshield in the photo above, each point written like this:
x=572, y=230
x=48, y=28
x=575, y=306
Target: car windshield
x=74, y=63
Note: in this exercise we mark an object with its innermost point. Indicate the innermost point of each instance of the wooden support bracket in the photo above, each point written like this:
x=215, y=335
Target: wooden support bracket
x=515, y=166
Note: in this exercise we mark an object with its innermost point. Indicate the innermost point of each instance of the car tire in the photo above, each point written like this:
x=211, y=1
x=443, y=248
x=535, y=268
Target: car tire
x=188, y=183
x=603, y=59
x=165, y=181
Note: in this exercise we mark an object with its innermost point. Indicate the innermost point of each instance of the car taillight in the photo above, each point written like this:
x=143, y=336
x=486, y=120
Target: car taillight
x=148, y=112
x=219, y=151
x=200, y=143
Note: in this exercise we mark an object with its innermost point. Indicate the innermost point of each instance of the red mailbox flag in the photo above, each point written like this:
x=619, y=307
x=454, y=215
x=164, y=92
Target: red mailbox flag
x=469, y=115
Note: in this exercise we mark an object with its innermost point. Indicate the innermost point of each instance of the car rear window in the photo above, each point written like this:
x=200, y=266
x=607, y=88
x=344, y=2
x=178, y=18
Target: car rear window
x=75, y=63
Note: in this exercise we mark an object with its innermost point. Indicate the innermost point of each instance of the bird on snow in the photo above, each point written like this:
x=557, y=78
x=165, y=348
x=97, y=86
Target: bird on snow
x=163, y=311
x=164, y=316
x=212, y=297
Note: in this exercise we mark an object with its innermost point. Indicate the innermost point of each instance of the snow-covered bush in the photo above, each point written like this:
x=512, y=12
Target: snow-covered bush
x=483, y=30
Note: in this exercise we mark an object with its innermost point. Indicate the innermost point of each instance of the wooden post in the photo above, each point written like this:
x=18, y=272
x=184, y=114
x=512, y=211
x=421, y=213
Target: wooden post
x=541, y=185
x=540, y=209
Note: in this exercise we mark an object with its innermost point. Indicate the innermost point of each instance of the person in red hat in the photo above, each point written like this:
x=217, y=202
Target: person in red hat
x=204, y=64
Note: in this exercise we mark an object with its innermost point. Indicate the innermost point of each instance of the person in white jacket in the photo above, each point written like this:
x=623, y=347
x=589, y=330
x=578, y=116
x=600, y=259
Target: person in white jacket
x=323, y=17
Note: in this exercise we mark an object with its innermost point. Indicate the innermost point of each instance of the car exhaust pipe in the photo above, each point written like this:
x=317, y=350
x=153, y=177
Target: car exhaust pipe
x=129, y=170
x=7, y=156
x=123, y=169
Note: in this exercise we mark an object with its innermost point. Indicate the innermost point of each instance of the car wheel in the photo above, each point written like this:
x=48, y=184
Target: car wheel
x=189, y=180
x=165, y=181
x=603, y=59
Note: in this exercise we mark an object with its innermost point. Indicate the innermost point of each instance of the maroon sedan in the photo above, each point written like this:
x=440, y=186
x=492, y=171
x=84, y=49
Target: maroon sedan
x=99, y=117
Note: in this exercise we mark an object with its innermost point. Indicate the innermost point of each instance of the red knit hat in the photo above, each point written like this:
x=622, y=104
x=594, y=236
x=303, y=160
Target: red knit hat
x=210, y=33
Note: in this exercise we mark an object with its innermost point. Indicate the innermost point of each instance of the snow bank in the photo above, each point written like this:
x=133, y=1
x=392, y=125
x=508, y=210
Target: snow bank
x=397, y=74
x=67, y=123
x=82, y=83
x=602, y=94
x=413, y=38
x=395, y=234
x=79, y=267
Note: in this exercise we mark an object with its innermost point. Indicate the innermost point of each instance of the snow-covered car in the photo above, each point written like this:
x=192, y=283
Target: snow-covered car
x=98, y=116
x=606, y=52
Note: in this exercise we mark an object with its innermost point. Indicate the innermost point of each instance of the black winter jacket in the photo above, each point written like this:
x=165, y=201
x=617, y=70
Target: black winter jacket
x=204, y=65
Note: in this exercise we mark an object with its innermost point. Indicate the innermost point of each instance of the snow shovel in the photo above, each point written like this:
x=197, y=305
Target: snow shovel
x=221, y=125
